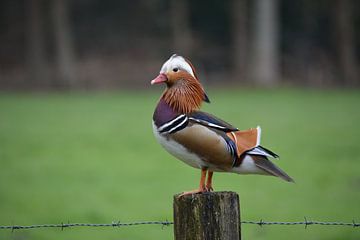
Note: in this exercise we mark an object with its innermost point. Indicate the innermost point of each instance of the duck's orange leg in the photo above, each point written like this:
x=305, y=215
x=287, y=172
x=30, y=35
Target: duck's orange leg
x=202, y=187
x=208, y=185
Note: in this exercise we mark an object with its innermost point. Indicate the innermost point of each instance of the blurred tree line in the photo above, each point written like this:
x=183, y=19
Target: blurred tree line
x=93, y=44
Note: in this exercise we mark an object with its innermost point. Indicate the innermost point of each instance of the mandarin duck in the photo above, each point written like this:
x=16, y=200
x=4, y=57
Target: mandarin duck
x=200, y=139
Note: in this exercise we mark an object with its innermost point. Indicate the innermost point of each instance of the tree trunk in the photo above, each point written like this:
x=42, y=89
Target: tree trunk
x=345, y=42
x=265, y=49
x=180, y=27
x=240, y=33
x=36, y=54
x=63, y=44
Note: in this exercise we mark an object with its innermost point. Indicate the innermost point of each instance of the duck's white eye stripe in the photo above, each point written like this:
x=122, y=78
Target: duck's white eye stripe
x=176, y=62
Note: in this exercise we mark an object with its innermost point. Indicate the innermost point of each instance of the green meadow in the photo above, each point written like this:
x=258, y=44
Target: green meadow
x=92, y=158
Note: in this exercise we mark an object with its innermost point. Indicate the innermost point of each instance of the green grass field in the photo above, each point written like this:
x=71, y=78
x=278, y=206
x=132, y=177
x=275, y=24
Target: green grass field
x=91, y=157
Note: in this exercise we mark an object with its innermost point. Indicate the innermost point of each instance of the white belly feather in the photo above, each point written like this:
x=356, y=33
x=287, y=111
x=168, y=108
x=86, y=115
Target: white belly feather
x=248, y=166
x=178, y=150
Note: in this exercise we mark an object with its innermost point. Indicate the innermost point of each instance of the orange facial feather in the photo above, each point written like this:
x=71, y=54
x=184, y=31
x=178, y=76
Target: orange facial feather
x=184, y=93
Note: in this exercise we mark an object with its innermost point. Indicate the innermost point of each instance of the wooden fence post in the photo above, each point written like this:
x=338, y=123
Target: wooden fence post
x=207, y=216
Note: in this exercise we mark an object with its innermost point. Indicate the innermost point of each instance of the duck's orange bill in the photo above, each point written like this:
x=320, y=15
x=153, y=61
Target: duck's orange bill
x=159, y=79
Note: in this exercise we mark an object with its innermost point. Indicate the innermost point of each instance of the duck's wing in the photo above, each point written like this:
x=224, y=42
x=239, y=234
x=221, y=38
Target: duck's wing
x=244, y=140
x=209, y=120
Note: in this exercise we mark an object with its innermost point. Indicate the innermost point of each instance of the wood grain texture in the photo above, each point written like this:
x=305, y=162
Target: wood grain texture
x=213, y=215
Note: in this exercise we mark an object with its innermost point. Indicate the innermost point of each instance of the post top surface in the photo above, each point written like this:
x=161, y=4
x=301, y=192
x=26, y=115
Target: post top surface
x=206, y=195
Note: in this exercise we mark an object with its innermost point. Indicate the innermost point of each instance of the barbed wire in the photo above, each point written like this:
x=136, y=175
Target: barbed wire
x=68, y=225
x=305, y=223
x=260, y=223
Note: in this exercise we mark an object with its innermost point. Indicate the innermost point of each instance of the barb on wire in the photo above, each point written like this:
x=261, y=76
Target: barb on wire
x=165, y=223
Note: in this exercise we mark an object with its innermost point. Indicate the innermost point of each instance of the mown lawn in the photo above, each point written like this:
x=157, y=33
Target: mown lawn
x=91, y=157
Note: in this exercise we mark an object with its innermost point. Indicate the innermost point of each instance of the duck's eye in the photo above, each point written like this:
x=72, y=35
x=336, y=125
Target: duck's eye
x=175, y=69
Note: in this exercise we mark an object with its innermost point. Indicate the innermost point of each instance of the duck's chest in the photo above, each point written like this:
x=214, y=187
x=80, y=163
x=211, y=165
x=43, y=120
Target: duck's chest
x=166, y=122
